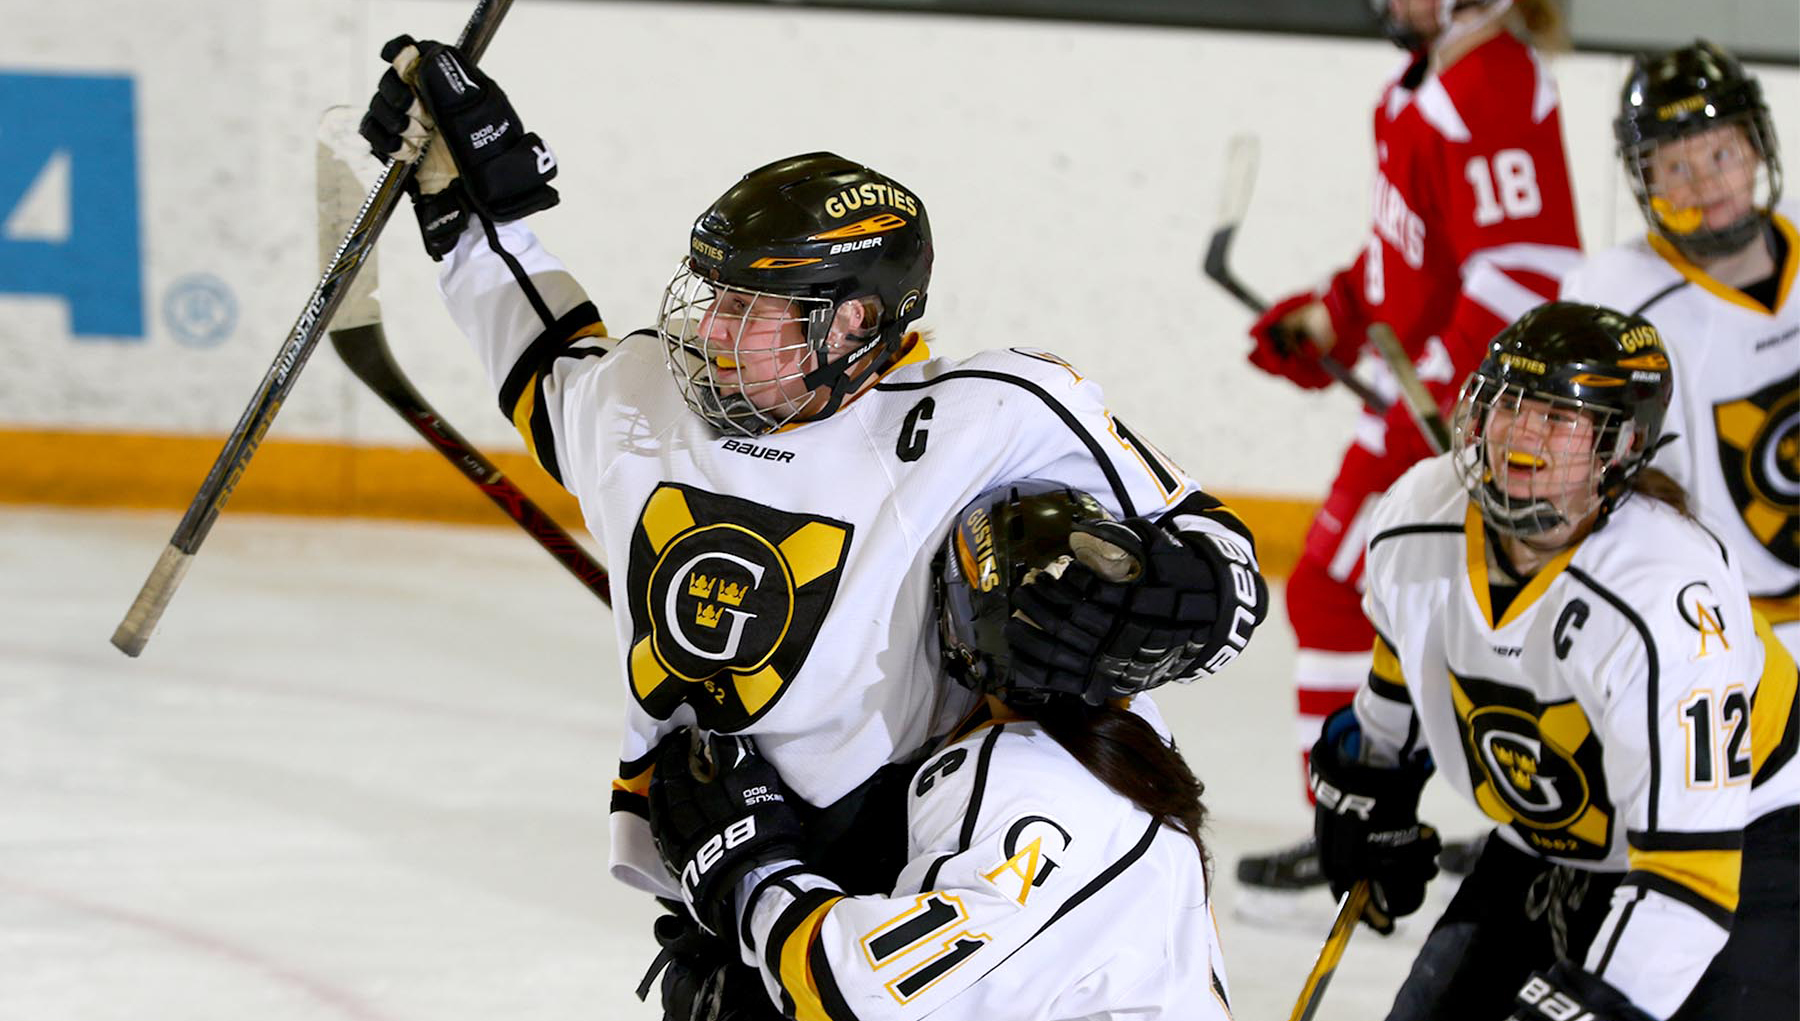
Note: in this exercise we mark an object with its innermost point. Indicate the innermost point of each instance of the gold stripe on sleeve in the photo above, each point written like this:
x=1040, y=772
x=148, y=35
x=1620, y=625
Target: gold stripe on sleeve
x=1774, y=701
x=1386, y=665
x=1711, y=874
x=796, y=965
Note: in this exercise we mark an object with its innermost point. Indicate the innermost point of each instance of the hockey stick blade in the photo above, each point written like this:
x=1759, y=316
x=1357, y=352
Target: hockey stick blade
x=361, y=342
x=1234, y=202
x=227, y=470
x=1350, y=910
x=1418, y=400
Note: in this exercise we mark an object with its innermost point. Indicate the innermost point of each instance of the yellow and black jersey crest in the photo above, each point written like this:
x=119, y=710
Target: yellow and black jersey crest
x=1759, y=450
x=727, y=597
x=1536, y=767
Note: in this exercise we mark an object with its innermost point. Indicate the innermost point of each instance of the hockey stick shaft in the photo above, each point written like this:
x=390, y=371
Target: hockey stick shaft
x=1234, y=203
x=1419, y=402
x=365, y=350
x=1350, y=910
x=228, y=469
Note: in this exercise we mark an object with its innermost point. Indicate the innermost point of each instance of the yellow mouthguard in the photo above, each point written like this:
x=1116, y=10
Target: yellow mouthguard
x=1522, y=460
x=1682, y=221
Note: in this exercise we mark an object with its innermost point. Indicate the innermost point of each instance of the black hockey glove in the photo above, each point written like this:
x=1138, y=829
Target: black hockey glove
x=485, y=162
x=717, y=810
x=1137, y=607
x=702, y=977
x=1567, y=991
x=1367, y=824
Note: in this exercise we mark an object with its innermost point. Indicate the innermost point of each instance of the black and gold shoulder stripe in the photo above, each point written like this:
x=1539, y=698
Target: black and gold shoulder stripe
x=1385, y=676
x=631, y=791
x=1774, y=717
x=797, y=958
x=519, y=392
x=1698, y=869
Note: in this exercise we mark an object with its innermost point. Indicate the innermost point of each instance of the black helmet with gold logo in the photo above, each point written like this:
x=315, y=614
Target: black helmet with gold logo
x=1678, y=94
x=817, y=231
x=1570, y=396
x=1002, y=538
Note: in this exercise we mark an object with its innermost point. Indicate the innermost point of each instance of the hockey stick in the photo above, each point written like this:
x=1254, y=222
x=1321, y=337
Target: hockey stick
x=1234, y=202
x=360, y=341
x=140, y=620
x=1350, y=910
x=1418, y=400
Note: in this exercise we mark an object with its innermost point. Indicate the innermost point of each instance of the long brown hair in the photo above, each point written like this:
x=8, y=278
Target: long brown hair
x=1542, y=24
x=1126, y=753
x=1658, y=485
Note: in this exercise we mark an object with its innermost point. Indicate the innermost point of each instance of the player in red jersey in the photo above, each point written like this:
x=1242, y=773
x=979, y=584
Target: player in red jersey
x=1472, y=224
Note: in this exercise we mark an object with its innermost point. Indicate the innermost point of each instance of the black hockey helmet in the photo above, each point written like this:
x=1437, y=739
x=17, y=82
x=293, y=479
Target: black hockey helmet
x=997, y=542
x=1577, y=364
x=1684, y=92
x=819, y=230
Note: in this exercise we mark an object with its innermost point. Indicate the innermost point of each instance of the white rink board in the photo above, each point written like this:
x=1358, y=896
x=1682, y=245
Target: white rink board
x=1071, y=173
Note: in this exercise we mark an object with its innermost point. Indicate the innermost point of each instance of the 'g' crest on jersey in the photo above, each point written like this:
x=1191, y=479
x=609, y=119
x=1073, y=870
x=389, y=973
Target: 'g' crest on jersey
x=1536, y=766
x=729, y=597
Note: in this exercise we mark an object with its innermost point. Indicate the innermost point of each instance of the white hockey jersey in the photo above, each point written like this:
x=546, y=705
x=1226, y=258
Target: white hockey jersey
x=744, y=569
x=1626, y=712
x=1033, y=892
x=1736, y=408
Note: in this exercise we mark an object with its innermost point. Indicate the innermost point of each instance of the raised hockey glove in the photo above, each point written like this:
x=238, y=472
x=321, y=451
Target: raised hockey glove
x=1567, y=992
x=484, y=160
x=1284, y=348
x=1137, y=608
x=1366, y=819
x=702, y=977
x=717, y=810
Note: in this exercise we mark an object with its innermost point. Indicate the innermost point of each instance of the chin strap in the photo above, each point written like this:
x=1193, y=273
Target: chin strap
x=835, y=374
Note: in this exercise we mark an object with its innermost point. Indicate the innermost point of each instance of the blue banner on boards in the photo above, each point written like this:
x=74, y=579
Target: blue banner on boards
x=69, y=224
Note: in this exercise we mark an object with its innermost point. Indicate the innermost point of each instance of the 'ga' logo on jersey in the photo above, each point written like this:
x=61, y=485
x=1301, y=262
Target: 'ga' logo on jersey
x=1759, y=451
x=726, y=601
x=1535, y=766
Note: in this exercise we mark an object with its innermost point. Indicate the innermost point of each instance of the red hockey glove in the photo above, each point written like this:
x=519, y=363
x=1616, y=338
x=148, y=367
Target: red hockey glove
x=1283, y=350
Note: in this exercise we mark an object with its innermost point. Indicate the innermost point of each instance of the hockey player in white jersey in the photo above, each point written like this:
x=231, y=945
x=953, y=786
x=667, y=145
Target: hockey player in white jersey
x=1716, y=275
x=1575, y=654
x=1054, y=866
x=769, y=514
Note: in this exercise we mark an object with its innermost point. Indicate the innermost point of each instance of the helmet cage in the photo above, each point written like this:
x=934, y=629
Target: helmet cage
x=1681, y=95
x=771, y=382
x=1558, y=460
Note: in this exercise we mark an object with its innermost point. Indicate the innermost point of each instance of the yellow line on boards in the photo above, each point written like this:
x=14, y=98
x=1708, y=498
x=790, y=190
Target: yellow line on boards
x=72, y=468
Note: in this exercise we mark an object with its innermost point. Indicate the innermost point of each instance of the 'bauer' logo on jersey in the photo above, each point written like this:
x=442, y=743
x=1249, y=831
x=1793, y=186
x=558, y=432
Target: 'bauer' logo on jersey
x=1759, y=453
x=1536, y=766
x=726, y=601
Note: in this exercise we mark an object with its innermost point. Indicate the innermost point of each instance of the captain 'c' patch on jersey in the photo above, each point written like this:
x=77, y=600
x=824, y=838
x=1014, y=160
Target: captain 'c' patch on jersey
x=1759, y=451
x=1535, y=766
x=727, y=597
